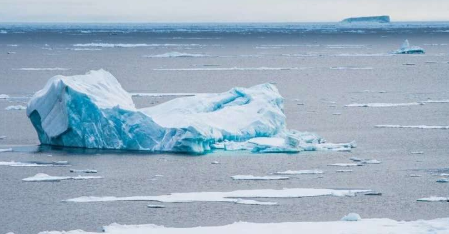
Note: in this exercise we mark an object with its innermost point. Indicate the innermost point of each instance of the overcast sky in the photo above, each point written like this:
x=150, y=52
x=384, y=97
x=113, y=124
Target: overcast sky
x=217, y=10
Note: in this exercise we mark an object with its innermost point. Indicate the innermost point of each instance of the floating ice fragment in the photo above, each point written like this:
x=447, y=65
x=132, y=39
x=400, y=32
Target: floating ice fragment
x=175, y=55
x=3, y=32
x=384, y=104
x=415, y=175
x=407, y=49
x=4, y=96
x=371, y=161
x=33, y=164
x=344, y=171
x=444, y=174
x=83, y=171
x=412, y=126
x=355, y=159
x=155, y=206
x=351, y=217
x=251, y=177
x=434, y=199
x=300, y=172
x=344, y=165
x=417, y=152
x=1, y=138
x=41, y=177
x=215, y=162
x=238, y=196
x=443, y=180
x=17, y=107
x=5, y=150
x=93, y=111
x=351, y=68
x=365, y=226
x=437, y=101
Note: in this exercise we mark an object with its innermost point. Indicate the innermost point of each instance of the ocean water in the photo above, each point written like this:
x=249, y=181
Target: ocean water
x=318, y=68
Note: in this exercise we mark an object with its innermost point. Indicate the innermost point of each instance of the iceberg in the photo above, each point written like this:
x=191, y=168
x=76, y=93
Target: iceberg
x=407, y=49
x=94, y=111
x=368, y=19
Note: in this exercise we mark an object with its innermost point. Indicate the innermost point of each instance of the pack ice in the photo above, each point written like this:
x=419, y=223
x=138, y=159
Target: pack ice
x=94, y=111
x=407, y=49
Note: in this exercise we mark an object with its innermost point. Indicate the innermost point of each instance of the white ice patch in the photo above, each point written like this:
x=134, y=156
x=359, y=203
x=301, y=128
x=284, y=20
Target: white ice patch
x=124, y=45
x=351, y=217
x=5, y=150
x=251, y=177
x=17, y=107
x=4, y=96
x=238, y=196
x=232, y=69
x=34, y=164
x=42, y=69
x=417, y=152
x=434, y=199
x=443, y=180
x=344, y=171
x=365, y=226
x=300, y=172
x=437, y=101
x=83, y=171
x=412, y=126
x=384, y=104
x=155, y=206
x=351, y=68
x=41, y=177
x=175, y=55
x=343, y=165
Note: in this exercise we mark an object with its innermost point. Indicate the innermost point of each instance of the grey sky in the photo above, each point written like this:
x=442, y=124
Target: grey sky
x=217, y=10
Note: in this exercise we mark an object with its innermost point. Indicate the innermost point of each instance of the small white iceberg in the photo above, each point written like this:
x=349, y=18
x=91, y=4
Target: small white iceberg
x=83, y=171
x=434, y=199
x=4, y=96
x=351, y=217
x=300, y=172
x=17, y=107
x=407, y=49
x=443, y=180
x=251, y=177
x=344, y=165
x=155, y=206
x=5, y=150
x=34, y=164
x=41, y=177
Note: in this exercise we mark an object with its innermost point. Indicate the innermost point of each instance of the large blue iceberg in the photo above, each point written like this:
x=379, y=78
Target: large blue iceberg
x=94, y=111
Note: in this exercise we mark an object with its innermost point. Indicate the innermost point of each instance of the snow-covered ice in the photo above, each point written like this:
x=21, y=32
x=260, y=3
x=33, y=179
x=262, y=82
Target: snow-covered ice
x=16, y=107
x=41, y=177
x=4, y=96
x=412, y=126
x=238, y=196
x=434, y=199
x=407, y=49
x=155, y=206
x=251, y=177
x=300, y=172
x=417, y=152
x=83, y=171
x=351, y=217
x=5, y=150
x=443, y=180
x=344, y=165
x=93, y=111
x=365, y=226
x=384, y=104
x=34, y=164
x=175, y=55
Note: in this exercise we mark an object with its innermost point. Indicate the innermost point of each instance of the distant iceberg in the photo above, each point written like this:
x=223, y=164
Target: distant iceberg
x=368, y=19
x=407, y=49
x=94, y=111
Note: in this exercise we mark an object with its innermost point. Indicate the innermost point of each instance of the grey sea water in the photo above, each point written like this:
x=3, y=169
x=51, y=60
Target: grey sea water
x=318, y=69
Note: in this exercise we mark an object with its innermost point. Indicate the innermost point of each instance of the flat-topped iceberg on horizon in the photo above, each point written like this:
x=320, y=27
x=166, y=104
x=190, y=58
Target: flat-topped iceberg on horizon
x=407, y=49
x=368, y=19
x=94, y=111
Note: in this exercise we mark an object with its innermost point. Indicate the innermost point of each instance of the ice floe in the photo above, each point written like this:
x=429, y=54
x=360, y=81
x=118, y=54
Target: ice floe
x=251, y=177
x=412, y=126
x=384, y=104
x=344, y=165
x=5, y=150
x=35, y=164
x=232, y=69
x=407, y=49
x=42, y=69
x=155, y=206
x=417, y=152
x=365, y=226
x=176, y=55
x=434, y=199
x=4, y=96
x=299, y=172
x=238, y=196
x=83, y=171
x=1, y=138
x=443, y=180
x=93, y=111
x=124, y=45
x=17, y=107
x=344, y=171
x=41, y=177
x=351, y=217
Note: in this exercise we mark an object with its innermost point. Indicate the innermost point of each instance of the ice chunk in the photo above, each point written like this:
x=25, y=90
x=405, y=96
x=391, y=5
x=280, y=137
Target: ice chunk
x=6, y=150
x=4, y=96
x=83, y=171
x=175, y=55
x=351, y=217
x=41, y=177
x=368, y=19
x=443, y=180
x=384, y=104
x=417, y=152
x=3, y=32
x=238, y=196
x=371, y=161
x=434, y=199
x=344, y=171
x=155, y=206
x=365, y=226
x=18, y=107
x=300, y=172
x=407, y=49
x=344, y=165
x=93, y=111
x=1, y=138
x=231, y=69
x=251, y=177
x=215, y=162
x=412, y=126
x=34, y=164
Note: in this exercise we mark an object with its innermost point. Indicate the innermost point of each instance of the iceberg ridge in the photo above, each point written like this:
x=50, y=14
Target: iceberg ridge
x=94, y=111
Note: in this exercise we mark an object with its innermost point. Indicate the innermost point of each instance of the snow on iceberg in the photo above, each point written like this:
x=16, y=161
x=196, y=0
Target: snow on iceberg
x=94, y=111
x=238, y=196
x=365, y=226
x=368, y=19
x=407, y=49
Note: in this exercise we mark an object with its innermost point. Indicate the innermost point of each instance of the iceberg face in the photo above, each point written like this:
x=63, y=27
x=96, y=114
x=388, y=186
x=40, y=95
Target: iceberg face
x=407, y=49
x=368, y=19
x=94, y=111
